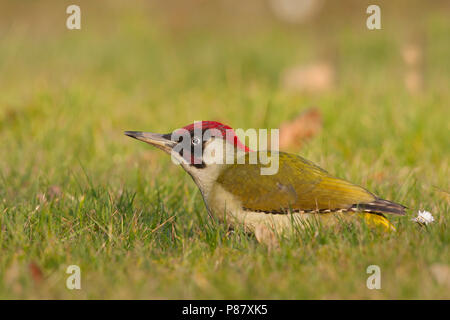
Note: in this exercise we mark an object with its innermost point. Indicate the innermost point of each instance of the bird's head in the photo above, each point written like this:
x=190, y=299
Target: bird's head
x=198, y=145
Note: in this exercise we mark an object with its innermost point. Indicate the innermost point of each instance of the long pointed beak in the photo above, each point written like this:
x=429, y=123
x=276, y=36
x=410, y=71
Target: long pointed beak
x=161, y=141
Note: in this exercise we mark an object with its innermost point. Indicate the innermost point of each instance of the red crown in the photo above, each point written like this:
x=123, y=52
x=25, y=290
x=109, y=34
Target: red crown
x=222, y=128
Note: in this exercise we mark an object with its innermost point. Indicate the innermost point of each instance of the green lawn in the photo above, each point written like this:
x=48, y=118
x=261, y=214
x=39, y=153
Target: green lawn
x=75, y=191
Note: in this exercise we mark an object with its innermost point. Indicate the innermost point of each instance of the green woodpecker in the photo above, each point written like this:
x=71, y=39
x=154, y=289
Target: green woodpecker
x=237, y=192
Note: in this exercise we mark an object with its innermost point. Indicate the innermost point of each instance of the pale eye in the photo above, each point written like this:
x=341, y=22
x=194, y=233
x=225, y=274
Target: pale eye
x=195, y=141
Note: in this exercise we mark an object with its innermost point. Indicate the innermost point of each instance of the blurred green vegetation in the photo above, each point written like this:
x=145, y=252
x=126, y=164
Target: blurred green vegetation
x=75, y=190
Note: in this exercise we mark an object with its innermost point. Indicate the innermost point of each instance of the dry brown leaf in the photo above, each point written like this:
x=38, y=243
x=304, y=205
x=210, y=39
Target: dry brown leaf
x=412, y=54
x=413, y=81
x=295, y=11
x=315, y=77
x=36, y=273
x=413, y=58
x=294, y=133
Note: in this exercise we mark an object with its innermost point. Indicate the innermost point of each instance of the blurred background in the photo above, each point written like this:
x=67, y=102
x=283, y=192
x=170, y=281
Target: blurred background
x=371, y=106
x=162, y=64
x=67, y=95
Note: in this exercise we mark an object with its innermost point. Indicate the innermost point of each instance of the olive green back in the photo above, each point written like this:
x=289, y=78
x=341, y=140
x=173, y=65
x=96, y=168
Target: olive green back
x=298, y=185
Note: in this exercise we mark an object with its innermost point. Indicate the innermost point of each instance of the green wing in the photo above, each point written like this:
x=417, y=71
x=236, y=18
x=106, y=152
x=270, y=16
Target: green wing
x=298, y=185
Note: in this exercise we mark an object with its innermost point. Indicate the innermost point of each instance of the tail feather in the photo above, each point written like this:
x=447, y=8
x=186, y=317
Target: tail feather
x=381, y=206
